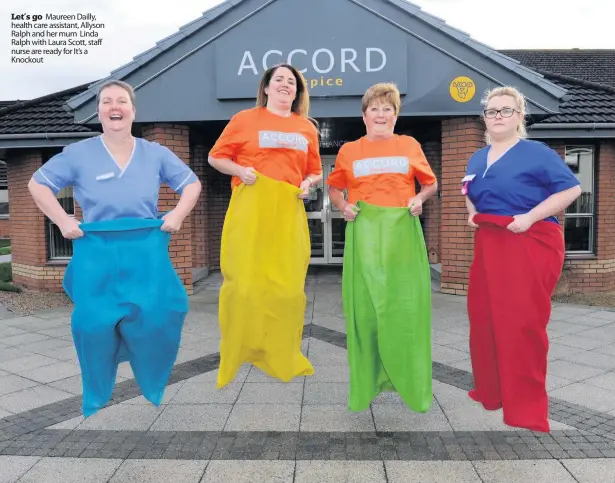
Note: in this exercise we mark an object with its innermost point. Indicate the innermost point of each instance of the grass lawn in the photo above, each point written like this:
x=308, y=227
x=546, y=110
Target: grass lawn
x=5, y=247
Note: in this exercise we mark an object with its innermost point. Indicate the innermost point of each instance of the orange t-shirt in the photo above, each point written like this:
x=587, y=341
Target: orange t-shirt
x=282, y=148
x=381, y=173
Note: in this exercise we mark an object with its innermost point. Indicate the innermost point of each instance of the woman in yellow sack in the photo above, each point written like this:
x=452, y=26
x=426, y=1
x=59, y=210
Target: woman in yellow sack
x=386, y=286
x=272, y=153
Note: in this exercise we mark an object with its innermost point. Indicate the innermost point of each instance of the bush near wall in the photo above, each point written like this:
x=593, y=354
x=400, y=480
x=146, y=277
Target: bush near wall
x=6, y=277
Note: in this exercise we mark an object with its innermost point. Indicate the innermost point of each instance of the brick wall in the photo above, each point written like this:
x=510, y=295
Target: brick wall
x=177, y=138
x=432, y=209
x=47, y=278
x=28, y=242
x=5, y=228
x=461, y=137
x=30, y=266
x=219, y=194
x=200, y=247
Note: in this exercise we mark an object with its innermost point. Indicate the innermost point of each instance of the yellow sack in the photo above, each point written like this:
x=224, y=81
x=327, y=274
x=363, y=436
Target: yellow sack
x=264, y=260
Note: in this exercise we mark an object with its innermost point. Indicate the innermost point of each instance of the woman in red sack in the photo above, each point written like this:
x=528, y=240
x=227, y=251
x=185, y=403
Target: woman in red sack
x=514, y=189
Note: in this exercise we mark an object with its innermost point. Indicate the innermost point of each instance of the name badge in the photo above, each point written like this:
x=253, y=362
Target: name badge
x=105, y=176
x=464, y=183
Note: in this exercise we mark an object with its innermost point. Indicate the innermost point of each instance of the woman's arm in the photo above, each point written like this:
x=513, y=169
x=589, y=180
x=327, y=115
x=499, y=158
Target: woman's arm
x=427, y=191
x=470, y=206
x=225, y=166
x=471, y=212
x=247, y=175
x=314, y=179
x=173, y=219
x=554, y=204
x=349, y=210
x=557, y=177
x=51, y=208
x=188, y=198
x=337, y=198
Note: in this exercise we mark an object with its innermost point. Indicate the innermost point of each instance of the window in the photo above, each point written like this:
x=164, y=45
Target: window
x=579, y=220
x=59, y=248
x=4, y=192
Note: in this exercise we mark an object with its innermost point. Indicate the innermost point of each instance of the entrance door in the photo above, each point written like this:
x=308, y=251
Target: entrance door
x=326, y=223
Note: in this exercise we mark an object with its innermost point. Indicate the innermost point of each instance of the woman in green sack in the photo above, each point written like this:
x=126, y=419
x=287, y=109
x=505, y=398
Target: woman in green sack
x=386, y=286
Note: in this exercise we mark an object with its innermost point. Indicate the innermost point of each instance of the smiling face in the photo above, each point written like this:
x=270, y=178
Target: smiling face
x=379, y=119
x=282, y=89
x=502, y=125
x=115, y=109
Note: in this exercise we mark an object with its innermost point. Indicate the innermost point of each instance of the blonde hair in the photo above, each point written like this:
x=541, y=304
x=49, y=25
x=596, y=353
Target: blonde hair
x=301, y=104
x=124, y=85
x=519, y=100
x=384, y=92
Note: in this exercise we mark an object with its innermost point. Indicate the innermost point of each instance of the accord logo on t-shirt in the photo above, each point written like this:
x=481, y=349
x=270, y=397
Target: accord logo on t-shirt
x=288, y=140
x=384, y=165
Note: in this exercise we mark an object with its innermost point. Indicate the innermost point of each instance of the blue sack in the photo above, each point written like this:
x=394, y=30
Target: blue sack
x=129, y=305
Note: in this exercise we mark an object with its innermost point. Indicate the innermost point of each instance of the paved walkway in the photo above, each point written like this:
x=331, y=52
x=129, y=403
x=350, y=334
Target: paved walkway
x=259, y=430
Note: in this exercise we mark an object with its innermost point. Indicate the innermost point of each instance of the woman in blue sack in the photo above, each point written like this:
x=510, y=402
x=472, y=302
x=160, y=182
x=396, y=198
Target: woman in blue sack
x=129, y=303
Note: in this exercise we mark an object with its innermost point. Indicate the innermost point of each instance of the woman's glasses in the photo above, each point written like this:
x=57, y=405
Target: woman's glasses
x=505, y=112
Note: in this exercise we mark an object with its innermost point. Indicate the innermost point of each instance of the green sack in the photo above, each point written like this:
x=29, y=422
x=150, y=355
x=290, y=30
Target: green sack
x=386, y=292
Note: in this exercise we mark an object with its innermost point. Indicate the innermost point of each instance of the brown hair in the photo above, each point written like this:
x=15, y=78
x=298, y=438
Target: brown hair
x=124, y=85
x=383, y=92
x=519, y=100
x=301, y=104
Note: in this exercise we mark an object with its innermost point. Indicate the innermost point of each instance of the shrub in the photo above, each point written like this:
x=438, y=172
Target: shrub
x=9, y=287
x=6, y=272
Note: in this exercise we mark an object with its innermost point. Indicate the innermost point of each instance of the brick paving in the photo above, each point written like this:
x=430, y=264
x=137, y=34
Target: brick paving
x=257, y=429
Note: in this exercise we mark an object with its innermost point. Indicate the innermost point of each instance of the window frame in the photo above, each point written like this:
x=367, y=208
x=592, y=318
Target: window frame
x=593, y=230
x=54, y=240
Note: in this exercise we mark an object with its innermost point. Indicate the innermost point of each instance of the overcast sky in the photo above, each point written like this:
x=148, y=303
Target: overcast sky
x=133, y=26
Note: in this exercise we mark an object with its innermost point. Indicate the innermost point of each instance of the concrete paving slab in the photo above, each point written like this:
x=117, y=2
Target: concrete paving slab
x=159, y=471
x=516, y=471
x=431, y=472
x=71, y=470
x=14, y=467
x=338, y=471
x=249, y=471
x=591, y=471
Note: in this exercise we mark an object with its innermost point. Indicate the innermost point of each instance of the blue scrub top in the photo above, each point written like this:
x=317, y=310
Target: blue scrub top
x=103, y=190
x=525, y=176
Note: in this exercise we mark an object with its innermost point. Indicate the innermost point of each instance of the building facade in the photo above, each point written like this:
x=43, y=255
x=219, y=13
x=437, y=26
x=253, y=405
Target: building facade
x=191, y=83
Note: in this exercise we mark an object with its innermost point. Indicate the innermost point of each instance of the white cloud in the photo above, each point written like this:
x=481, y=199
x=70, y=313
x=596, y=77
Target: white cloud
x=133, y=26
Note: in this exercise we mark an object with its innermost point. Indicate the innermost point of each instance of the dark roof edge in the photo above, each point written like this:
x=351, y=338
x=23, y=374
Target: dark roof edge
x=575, y=50
x=576, y=80
x=47, y=97
x=49, y=135
x=573, y=125
x=572, y=133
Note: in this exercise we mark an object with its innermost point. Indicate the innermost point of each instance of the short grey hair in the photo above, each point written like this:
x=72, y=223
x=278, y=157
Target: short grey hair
x=124, y=85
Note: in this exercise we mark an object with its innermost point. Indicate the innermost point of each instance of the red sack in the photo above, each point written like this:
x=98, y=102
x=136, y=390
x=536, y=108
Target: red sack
x=512, y=279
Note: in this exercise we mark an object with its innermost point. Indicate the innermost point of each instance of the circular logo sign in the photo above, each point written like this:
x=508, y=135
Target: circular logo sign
x=462, y=89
